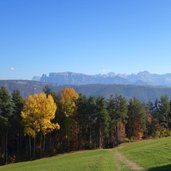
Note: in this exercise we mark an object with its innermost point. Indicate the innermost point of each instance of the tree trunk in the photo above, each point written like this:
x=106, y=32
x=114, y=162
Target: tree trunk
x=50, y=142
x=30, y=148
x=34, y=147
x=90, y=139
x=79, y=141
x=2, y=151
x=41, y=144
x=100, y=138
x=6, y=147
x=116, y=133
x=44, y=143
x=18, y=145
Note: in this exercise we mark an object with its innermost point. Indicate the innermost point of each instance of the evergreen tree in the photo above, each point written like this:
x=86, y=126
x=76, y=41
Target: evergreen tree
x=17, y=128
x=91, y=117
x=164, y=111
x=6, y=112
x=84, y=122
x=118, y=109
x=136, y=119
x=103, y=121
x=47, y=90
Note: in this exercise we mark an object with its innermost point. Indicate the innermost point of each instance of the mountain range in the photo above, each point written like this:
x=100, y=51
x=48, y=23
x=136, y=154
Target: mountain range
x=70, y=78
x=144, y=85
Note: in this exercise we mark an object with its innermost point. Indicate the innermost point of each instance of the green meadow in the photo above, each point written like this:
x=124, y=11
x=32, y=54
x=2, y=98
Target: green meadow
x=152, y=155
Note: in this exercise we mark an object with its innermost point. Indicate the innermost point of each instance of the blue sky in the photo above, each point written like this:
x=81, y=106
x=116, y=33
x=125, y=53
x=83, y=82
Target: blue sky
x=87, y=36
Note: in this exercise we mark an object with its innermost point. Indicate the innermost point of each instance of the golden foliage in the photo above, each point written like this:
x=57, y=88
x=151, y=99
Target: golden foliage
x=68, y=101
x=37, y=113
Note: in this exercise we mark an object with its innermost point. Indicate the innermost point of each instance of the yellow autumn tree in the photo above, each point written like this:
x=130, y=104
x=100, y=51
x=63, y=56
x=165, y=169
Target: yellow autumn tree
x=68, y=101
x=37, y=114
x=68, y=98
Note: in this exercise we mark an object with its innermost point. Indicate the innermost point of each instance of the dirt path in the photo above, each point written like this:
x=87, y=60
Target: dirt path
x=116, y=164
x=128, y=162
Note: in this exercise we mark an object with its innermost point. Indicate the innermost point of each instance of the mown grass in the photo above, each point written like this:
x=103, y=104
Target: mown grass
x=95, y=160
x=151, y=154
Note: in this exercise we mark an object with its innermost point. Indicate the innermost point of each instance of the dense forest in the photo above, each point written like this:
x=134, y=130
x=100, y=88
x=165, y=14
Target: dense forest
x=51, y=122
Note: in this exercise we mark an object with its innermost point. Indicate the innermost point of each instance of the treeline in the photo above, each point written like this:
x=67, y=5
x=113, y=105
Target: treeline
x=49, y=123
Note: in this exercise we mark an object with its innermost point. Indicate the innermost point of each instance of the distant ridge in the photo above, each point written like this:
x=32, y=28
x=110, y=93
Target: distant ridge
x=144, y=93
x=71, y=78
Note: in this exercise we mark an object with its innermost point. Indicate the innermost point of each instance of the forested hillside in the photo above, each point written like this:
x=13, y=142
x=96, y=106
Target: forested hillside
x=144, y=93
x=44, y=124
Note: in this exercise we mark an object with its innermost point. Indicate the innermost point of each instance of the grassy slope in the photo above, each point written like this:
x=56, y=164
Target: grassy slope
x=95, y=160
x=151, y=154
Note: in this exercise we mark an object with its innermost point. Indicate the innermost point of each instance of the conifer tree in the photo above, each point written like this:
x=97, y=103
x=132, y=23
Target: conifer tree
x=6, y=112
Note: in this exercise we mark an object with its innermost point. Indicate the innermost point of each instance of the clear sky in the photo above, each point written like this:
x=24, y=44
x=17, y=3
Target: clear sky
x=86, y=36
